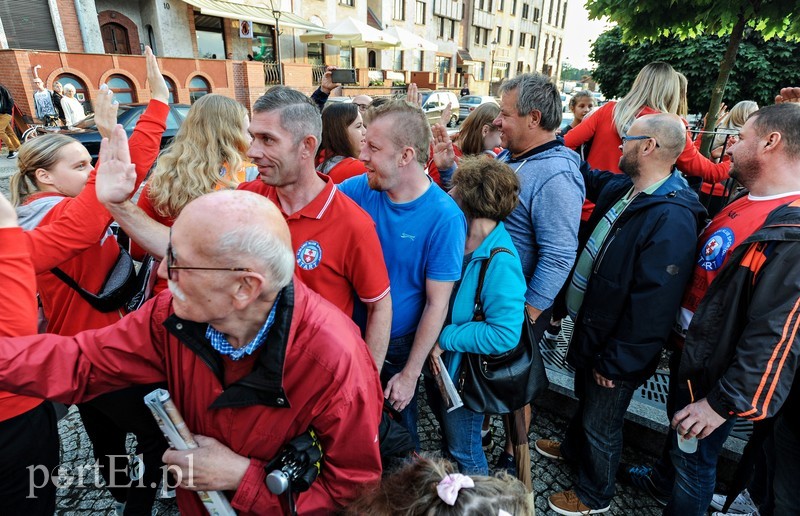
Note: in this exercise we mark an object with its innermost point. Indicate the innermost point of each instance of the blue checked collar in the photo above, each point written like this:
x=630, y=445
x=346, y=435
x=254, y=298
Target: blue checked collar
x=221, y=344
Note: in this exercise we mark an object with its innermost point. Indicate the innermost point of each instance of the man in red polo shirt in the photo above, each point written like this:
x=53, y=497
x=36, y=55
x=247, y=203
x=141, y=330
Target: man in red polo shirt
x=337, y=251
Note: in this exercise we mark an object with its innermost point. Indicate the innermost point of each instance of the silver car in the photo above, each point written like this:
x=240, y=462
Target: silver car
x=434, y=102
x=468, y=104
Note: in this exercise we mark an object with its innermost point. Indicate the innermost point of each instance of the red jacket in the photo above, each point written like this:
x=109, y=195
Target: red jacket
x=313, y=371
x=16, y=276
x=74, y=236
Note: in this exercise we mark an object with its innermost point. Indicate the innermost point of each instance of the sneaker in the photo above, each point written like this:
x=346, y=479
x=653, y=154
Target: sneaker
x=549, y=448
x=552, y=332
x=568, y=503
x=12, y=155
x=505, y=462
x=641, y=477
x=743, y=504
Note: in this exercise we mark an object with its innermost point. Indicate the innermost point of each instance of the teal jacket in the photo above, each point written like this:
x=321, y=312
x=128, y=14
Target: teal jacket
x=503, y=298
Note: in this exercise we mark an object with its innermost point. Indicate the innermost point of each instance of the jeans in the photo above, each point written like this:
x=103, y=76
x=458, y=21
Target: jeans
x=461, y=433
x=786, y=483
x=395, y=361
x=663, y=474
x=695, y=473
x=594, y=436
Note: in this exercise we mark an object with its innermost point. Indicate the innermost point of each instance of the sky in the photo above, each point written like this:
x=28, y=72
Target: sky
x=580, y=32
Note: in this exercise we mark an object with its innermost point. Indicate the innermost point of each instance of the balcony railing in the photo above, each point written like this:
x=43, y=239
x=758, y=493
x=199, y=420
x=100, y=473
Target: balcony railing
x=272, y=74
x=317, y=71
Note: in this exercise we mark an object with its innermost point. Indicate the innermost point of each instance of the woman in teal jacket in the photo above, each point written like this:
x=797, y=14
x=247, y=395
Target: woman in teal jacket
x=487, y=191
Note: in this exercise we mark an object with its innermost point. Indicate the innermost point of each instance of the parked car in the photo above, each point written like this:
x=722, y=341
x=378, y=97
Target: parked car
x=470, y=102
x=434, y=102
x=86, y=132
x=565, y=98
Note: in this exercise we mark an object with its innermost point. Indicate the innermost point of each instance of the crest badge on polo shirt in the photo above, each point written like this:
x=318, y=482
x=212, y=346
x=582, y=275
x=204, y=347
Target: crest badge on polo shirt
x=309, y=255
x=714, y=250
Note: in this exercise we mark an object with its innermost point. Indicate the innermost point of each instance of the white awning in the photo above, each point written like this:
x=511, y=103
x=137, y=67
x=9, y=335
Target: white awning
x=352, y=33
x=252, y=13
x=410, y=41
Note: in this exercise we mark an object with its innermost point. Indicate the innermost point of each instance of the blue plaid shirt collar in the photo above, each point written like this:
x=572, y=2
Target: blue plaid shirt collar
x=221, y=344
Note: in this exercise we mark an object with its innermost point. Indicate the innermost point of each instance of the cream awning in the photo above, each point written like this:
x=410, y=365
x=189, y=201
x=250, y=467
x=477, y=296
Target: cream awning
x=252, y=13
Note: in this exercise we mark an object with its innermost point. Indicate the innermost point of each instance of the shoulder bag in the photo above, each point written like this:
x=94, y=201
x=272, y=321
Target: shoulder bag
x=501, y=384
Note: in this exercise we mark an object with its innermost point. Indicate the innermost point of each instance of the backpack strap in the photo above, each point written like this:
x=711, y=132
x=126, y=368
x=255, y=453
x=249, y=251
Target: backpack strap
x=478, y=314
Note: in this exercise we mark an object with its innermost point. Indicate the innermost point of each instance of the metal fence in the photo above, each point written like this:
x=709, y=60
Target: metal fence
x=272, y=74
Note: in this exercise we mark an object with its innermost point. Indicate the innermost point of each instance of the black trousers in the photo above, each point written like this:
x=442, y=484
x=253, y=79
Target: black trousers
x=108, y=419
x=27, y=441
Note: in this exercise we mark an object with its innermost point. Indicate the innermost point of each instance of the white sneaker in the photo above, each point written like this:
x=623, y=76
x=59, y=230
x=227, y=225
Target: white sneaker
x=742, y=505
x=717, y=513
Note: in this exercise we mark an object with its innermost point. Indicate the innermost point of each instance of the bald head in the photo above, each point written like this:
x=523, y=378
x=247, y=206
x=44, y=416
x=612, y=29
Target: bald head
x=242, y=227
x=668, y=130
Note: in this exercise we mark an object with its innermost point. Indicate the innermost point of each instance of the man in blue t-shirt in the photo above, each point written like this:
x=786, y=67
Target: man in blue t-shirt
x=422, y=233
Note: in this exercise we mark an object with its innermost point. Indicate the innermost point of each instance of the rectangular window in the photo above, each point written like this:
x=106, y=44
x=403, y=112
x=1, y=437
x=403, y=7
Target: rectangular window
x=399, y=12
x=489, y=6
x=210, y=41
x=480, y=71
x=481, y=5
x=478, y=35
x=348, y=3
x=263, y=47
x=315, y=54
x=345, y=58
x=443, y=68
x=416, y=60
x=452, y=29
x=525, y=11
x=533, y=41
x=499, y=33
x=513, y=7
x=28, y=24
x=398, y=60
x=500, y=4
x=520, y=64
x=564, y=16
x=510, y=38
x=536, y=14
x=485, y=37
x=419, y=15
x=440, y=21
x=522, y=36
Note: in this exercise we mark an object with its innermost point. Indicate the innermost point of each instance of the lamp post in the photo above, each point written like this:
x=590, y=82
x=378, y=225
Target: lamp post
x=276, y=13
x=492, y=49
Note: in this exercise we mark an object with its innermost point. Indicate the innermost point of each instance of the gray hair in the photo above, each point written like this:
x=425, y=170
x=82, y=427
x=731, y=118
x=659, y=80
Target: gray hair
x=272, y=253
x=69, y=87
x=536, y=93
x=299, y=115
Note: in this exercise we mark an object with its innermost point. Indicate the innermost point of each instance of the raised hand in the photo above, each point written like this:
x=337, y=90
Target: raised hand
x=158, y=85
x=8, y=215
x=116, y=175
x=105, y=111
x=326, y=84
x=788, y=95
x=443, y=154
x=446, y=112
x=413, y=96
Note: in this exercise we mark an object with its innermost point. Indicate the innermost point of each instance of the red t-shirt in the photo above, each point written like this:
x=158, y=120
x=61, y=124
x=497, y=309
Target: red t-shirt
x=337, y=251
x=347, y=168
x=732, y=226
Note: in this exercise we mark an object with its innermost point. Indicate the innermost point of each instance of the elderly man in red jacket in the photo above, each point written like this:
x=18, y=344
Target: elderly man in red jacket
x=252, y=357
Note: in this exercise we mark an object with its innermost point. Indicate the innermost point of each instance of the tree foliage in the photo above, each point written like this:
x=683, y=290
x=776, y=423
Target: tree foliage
x=762, y=67
x=570, y=73
x=654, y=19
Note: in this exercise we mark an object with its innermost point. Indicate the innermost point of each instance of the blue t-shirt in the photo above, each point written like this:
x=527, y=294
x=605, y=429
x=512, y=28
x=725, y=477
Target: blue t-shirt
x=422, y=239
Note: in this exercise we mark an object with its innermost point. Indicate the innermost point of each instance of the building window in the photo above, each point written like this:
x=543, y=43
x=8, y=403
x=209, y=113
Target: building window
x=558, y=11
x=345, y=57
x=550, y=13
x=398, y=59
x=263, y=47
x=419, y=15
x=522, y=36
x=417, y=60
x=520, y=66
x=115, y=39
x=81, y=92
x=525, y=11
x=122, y=88
x=536, y=14
x=564, y=16
x=485, y=37
x=489, y=6
x=399, y=12
x=316, y=56
x=510, y=38
x=481, y=5
x=198, y=87
x=500, y=4
x=452, y=29
x=499, y=33
x=442, y=67
x=348, y=3
x=480, y=70
x=533, y=41
x=171, y=89
x=478, y=35
x=440, y=21
x=210, y=41
x=513, y=7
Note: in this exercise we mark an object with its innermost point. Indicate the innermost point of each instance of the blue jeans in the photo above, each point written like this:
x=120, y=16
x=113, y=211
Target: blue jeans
x=787, y=465
x=594, y=436
x=395, y=361
x=695, y=473
x=461, y=433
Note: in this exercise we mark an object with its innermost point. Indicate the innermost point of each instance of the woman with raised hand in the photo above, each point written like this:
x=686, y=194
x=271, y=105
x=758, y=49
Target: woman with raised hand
x=57, y=203
x=343, y=133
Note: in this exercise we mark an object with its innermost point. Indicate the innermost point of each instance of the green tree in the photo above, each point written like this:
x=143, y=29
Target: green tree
x=762, y=68
x=653, y=19
x=570, y=73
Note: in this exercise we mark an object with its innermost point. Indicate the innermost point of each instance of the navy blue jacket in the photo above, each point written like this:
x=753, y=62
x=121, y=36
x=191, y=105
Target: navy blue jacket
x=638, y=277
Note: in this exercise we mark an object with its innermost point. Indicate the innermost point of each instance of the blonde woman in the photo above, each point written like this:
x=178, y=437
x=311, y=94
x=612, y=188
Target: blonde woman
x=657, y=89
x=207, y=154
x=73, y=109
